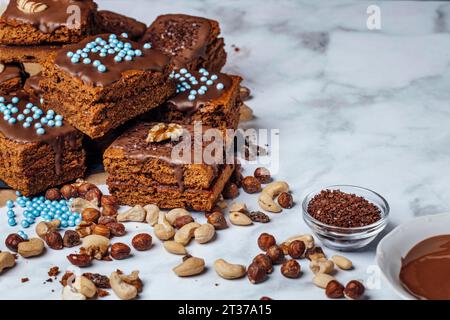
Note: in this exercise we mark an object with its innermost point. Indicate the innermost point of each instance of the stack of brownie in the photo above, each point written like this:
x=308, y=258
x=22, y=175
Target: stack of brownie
x=112, y=82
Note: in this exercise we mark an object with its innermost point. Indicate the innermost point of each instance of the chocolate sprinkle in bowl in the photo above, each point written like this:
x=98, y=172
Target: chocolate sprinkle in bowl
x=345, y=217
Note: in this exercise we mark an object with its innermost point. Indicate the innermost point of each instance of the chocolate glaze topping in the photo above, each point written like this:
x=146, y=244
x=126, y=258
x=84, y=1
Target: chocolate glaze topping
x=32, y=84
x=182, y=36
x=11, y=71
x=50, y=19
x=151, y=60
x=54, y=136
x=182, y=103
x=425, y=270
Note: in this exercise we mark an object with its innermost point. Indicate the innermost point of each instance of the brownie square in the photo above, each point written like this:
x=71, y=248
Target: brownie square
x=192, y=42
x=34, y=159
x=104, y=81
x=32, y=86
x=28, y=54
x=211, y=98
x=143, y=172
x=112, y=22
x=12, y=77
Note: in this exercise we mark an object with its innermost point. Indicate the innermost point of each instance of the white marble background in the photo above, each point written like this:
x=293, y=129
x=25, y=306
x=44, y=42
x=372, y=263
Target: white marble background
x=353, y=107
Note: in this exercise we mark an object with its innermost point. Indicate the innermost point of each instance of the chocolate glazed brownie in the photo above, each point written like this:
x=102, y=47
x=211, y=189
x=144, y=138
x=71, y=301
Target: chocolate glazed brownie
x=142, y=172
x=104, y=81
x=112, y=22
x=31, y=30
x=12, y=77
x=37, y=149
x=192, y=42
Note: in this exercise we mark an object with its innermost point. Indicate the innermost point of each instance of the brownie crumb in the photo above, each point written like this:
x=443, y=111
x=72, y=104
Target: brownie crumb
x=341, y=209
x=102, y=293
x=99, y=280
x=23, y=280
x=53, y=272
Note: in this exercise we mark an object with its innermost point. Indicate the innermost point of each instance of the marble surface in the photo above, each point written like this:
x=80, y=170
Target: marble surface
x=353, y=106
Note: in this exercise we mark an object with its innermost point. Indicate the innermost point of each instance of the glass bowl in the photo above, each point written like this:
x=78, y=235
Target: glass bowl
x=347, y=239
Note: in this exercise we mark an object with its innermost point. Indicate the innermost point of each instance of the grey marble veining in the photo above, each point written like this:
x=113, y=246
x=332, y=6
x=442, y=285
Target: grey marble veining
x=353, y=106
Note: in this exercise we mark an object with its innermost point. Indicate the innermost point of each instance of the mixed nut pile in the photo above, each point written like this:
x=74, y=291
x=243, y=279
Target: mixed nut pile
x=102, y=223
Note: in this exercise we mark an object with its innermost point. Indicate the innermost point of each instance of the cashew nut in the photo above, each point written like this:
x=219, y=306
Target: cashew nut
x=266, y=198
x=204, y=233
x=42, y=228
x=307, y=239
x=322, y=279
x=80, y=204
x=321, y=265
x=190, y=267
x=185, y=234
x=229, y=271
x=7, y=260
x=151, y=214
x=174, y=247
x=240, y=219
x=31, y=248
x=135, y=214
x=173, y=214
x=85, y=286
x=342, y=262
x=238, y=207
x=163, y=229
x=96, y=245
x=122, y=289
x=70, y=293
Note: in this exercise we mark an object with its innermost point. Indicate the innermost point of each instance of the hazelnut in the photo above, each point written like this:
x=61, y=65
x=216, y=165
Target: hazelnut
x=314, y=253
x=265, y=298
x=54, y=240
x=296, y=249
x=101, y=230
x=120, y=251
x=106, y=219
x=230, y=191
x=94, y=196
x=265, y=241
x=109, y=201
x=117, y=229
x=218, y=220
x=53, y=194
x=84, y=188
x=12, y=241
x=71, y=239
x=142, y=241
x=68, y=191
x=285, y=248
x=256, y=273
x=354, y=290
x=262, y=174
x=109, y=211
x=334, y=290
x=290, y=269
x=80, y=260
x=251, y=185
x=183, y=220
x=285, y=200
x=90, y=215
x=264, y=261
x=275, y=254
x=237, y=176
x=84, y=228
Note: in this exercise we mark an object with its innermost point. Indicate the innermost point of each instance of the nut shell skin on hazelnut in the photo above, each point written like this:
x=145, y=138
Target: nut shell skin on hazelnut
x=100, y=90
x=141, y=172
x=35, y=33
x=33, y=160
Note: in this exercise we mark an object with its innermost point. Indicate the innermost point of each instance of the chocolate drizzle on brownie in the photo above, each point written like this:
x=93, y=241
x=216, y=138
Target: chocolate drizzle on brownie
x=56, y=15
x=150, y=60
x=11, y=71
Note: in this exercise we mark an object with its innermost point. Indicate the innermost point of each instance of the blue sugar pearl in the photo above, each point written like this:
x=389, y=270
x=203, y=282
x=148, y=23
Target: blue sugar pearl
x=7, y=117
x=113, y=36
x=10, y=214
x=122, y=54
x=102, y=54
x=59, y=117
x=37, y=125
x=201, y=92
x=130, y=53
x=84, y=55
x=98, y=40
x=86, y=61
x=214, y=77
x=64, y=224
x=128, y=58
x=182, y=79
x=18, y=193
x=29, y=105
x=51, y=123
x=40, y=131
x=78, y=221
x=26, y=125
x=194, y=82
x=116, y=49
x=15, y=100
x=147, y=46
x=12, y=120
x=203, y=79
x=94, y=50
x=36, y=116
x=44, y=120
x=39, y=111
x=58, y=123
x=64, y=216
x=103, y=43
x=106, y=47
x=14, y=110
x=219, y=86
x=79, y=51
x=71, y=223
x=204, y=88
x=12, y=222
x=138, y=52
x=90, y=45
x=205, y=73
x=124, y=35
x=177, y=75
x=74, y=60
x=29, y=119
x=10, y=204
x=2, y=99
x=194, y=92
x=26, y=111
x=117, y=58
x=96, y=63
x=25, y=224
x=191, y=97
x=30, y=220
x=182, y=89
x=111, y=51
x=183, y=70
x=34, y=108
x=101, y=68
x=209, y=82
x=192, y=78
x=202, y=70
x=127, y=45
x=86, y=50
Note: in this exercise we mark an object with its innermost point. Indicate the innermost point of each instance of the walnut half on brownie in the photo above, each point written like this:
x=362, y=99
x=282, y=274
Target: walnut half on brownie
x=38, y=149
x=192, y=42
x=104, y=81
x=143, y=167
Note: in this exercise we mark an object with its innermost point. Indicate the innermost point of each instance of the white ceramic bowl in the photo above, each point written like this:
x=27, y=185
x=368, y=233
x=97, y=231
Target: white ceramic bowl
x=400, y=240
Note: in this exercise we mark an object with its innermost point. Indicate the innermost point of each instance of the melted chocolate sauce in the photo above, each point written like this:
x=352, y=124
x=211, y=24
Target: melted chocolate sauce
x=425, y=270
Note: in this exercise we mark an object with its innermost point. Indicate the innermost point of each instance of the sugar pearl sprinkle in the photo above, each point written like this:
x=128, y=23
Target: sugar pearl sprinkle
x=40, y=208
x=187, y=82
x=30, y=117
x=122, y=51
